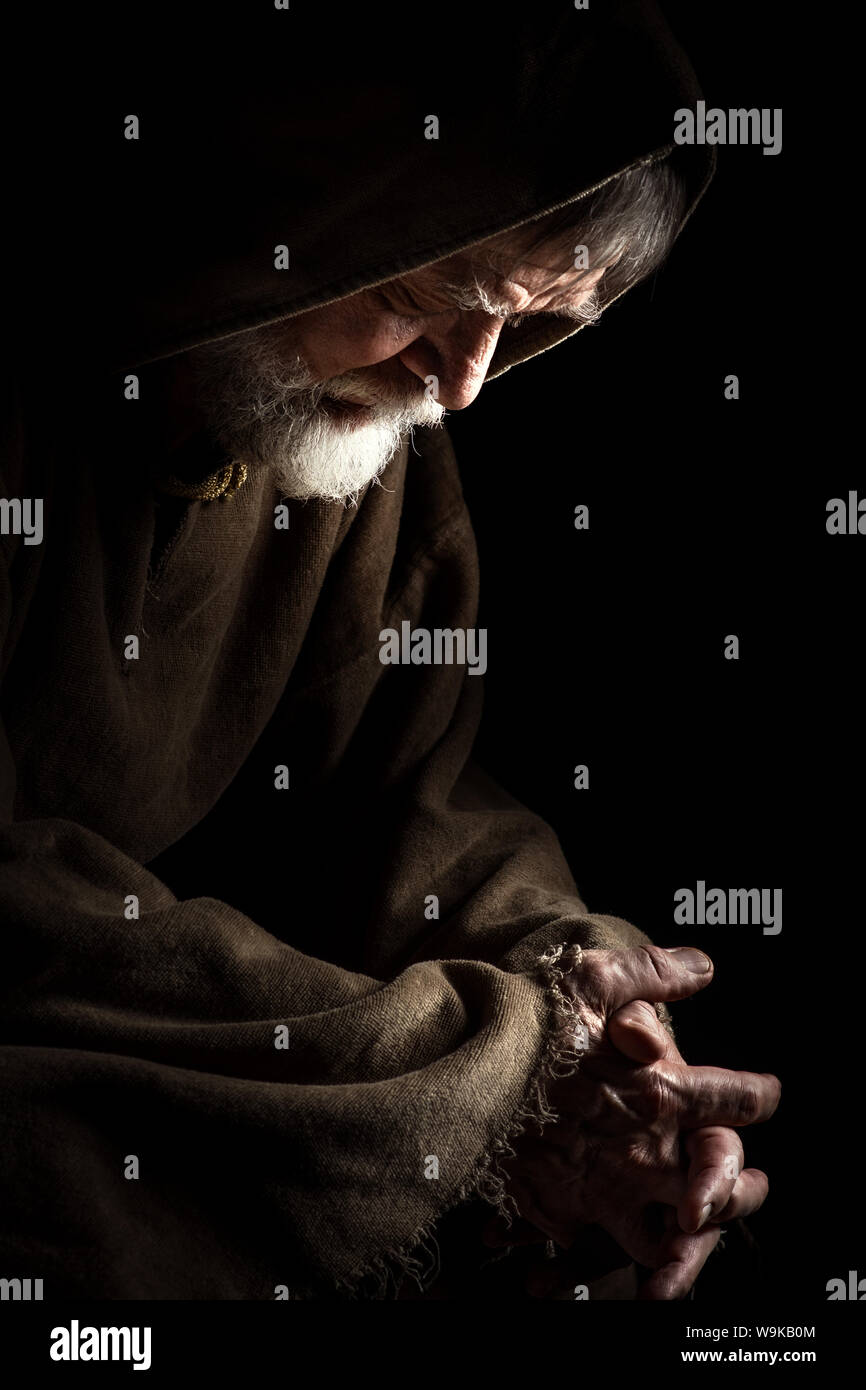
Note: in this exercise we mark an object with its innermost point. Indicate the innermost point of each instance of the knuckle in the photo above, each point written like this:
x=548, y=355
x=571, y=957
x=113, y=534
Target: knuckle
x=748, y=1102
x=655, y=1094
x=639, y=1011
x=649, y=1153
x=594, y=964
x=660, y=962
x=596, y=981
x=594, y=968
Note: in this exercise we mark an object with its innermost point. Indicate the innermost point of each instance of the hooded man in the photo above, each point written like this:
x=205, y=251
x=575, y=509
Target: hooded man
x=293, y=982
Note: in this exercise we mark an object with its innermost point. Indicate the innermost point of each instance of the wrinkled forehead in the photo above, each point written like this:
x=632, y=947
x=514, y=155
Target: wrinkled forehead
x=527, y=258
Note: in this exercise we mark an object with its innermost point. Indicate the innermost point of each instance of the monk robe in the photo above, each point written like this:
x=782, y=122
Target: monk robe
x=275, y=993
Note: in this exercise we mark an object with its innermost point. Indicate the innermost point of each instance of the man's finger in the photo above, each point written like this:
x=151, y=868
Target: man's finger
x=683, y=1257
x=750, y=1193
x=636, y=1030
x=609, y=979
x=716, y=1163
x=715, y=1096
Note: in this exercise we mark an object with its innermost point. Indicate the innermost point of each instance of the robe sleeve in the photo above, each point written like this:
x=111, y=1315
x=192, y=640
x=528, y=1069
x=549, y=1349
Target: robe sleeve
x=195, y=1109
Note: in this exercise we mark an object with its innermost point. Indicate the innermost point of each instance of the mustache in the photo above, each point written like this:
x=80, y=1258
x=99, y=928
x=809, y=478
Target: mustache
x=253, y=383
x=329, y=438
x=358, y=388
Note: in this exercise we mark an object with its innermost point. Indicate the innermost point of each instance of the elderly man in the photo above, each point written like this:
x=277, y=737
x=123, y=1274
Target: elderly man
x=295, y=981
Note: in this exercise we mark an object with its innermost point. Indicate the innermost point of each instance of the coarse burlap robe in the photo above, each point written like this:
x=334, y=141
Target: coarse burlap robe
x=235, y=1037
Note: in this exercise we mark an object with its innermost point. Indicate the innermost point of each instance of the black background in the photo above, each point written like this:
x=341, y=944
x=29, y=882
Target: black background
x=707, y=517
x=605, y=647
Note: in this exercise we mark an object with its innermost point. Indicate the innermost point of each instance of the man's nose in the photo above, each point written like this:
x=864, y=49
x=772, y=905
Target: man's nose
x=458, y=356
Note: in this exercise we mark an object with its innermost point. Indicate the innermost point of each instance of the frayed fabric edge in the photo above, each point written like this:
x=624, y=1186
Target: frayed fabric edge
x=418, y=1257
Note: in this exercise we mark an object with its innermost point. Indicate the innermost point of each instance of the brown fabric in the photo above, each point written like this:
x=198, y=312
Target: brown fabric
x=152, y=779
x=310, y=134
x=155, y=1036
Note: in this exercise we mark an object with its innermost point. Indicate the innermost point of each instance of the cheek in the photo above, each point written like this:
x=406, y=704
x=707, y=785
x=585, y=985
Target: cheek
x=341, y=343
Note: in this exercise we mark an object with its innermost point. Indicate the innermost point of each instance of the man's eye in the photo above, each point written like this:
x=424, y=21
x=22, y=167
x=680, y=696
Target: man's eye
x=392, y=308
x=515, y=322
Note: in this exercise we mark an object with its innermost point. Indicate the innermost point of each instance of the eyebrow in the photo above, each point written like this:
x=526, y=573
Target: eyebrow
x=474, y=296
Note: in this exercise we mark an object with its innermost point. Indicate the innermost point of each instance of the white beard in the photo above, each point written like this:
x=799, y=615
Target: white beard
x=263, y=405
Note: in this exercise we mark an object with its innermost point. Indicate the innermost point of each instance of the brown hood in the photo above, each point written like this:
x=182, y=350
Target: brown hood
x=172, y=236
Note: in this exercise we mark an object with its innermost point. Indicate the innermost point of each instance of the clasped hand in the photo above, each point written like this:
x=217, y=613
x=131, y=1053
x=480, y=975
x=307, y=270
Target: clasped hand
x=645, y=1146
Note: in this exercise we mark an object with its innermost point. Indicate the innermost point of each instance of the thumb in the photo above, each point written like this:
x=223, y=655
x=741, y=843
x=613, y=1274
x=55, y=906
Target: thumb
x=636, y=1031
x=610, y=979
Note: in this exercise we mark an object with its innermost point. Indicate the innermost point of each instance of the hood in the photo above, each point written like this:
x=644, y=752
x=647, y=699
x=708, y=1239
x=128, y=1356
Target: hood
x=319, y=146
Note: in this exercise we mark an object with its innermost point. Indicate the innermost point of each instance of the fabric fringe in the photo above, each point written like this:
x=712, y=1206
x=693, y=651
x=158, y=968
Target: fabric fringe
x=418, y=1257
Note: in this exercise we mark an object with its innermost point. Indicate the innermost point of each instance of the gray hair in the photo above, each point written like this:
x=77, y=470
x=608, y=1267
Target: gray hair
x=632, y=221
